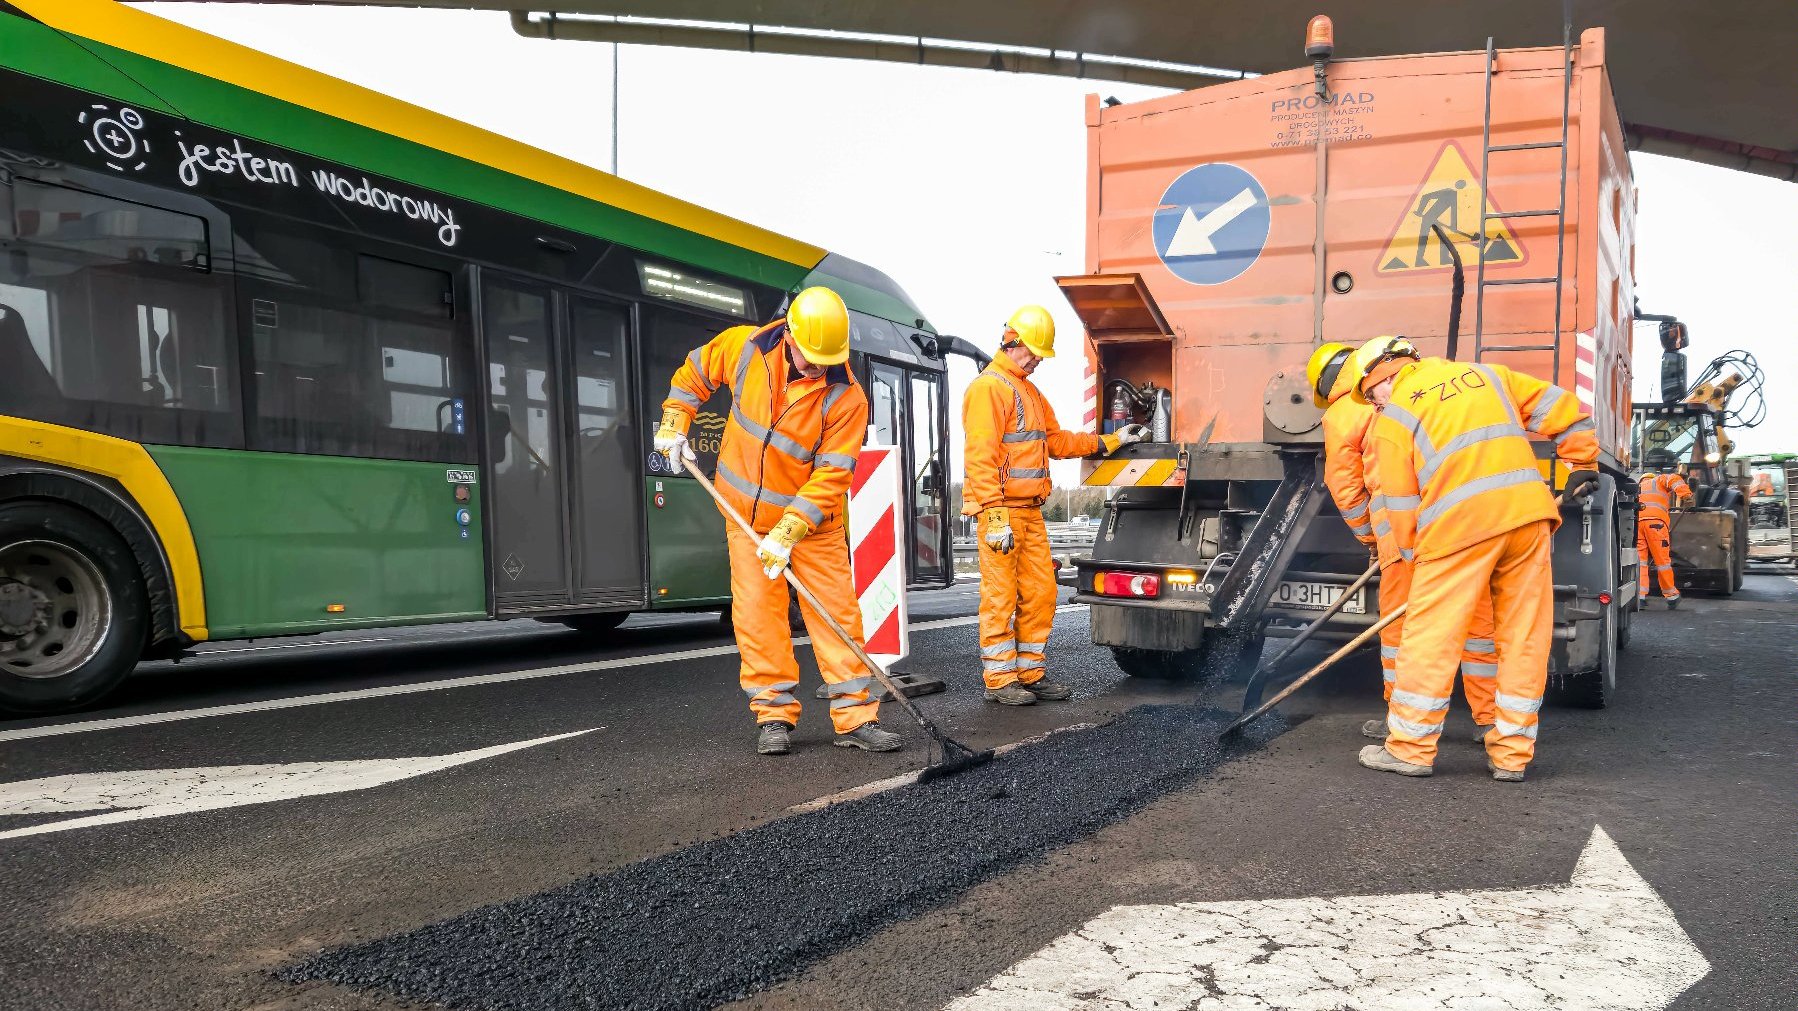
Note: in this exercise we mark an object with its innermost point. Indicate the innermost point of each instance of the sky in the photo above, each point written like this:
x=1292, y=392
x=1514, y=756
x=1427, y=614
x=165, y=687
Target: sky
x=966, y=186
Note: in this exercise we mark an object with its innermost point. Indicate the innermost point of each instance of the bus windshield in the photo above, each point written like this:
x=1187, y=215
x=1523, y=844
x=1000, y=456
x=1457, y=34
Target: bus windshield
x=869, y=289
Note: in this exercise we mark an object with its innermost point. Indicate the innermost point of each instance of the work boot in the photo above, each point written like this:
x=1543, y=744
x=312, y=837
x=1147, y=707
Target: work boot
x=1376, y=757
x=1672, y=602
x=773, y=739
x=1013, y=694
x=869, y=737
x=1479, y=733
x=1504, y=775
x=1048, y=690
x=1375, y=729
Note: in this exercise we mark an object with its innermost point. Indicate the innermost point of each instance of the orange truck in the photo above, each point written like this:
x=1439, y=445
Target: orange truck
x=1480, y=203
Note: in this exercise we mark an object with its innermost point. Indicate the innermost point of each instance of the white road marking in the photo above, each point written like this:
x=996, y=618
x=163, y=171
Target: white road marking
x=908, y=778
x=159, y=793
x=474, y=680
x=1603, y=942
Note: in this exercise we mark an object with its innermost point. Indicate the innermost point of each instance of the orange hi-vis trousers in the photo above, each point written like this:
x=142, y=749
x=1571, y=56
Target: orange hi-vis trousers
x=1654, y=545
x=1017, y=602
x=1514, y=569
x=1479, y=654
x=758, y=609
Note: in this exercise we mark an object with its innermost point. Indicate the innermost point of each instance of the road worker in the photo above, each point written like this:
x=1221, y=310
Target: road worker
x=1658, y=493
x=1465, y=497
x=796, y=425
x=1011, y=435
x=1332, y=372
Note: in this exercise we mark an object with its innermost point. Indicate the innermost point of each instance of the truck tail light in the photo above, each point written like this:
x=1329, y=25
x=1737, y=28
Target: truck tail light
x=1127, y=584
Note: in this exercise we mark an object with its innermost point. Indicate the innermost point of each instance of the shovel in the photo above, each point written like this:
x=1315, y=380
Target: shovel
x=957, y=757
x=1330, y=661
x=1252, y=693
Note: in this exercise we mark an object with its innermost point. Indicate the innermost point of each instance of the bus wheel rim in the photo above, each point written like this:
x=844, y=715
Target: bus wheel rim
x=55, y=613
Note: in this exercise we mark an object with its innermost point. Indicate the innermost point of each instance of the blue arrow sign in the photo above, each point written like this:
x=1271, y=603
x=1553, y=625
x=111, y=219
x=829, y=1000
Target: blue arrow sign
x=1212, y=223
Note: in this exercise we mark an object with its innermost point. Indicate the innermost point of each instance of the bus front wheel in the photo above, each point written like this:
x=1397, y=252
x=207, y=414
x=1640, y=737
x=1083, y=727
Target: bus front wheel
x=73, y=612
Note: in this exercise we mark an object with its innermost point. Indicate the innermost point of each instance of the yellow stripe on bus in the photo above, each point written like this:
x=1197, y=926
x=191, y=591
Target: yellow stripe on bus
x=129, y=465
x=168, y=42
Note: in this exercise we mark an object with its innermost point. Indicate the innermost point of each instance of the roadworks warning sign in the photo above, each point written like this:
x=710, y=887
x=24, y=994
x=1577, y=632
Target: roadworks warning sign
x=1449, y=196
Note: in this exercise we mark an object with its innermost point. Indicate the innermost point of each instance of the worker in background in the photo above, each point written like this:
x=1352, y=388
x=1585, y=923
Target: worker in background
x=796, y=425
x=1465, y=497
x=1011, y=435
x=1348, y=467
x=1657, y=493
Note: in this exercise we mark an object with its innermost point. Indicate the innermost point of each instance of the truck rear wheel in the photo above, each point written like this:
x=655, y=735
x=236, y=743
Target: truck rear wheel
x=73, y=612
x=1222, y=657
x=1593, y=689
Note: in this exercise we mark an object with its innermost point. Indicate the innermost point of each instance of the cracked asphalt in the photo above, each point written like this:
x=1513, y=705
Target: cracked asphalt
x=1690, y=773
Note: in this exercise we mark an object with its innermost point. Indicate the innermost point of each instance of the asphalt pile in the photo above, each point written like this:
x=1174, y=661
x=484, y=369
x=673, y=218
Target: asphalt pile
x=729, y=917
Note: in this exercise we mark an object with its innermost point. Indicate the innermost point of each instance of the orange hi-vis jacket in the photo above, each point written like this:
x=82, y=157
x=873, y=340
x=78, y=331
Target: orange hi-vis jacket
x=1011, y=435
x=1656, y=493
x=791, y=443
x=1345, y=431
x=1453, y=458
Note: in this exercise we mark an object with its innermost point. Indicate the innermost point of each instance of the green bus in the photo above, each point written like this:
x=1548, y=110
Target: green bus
x=280, y=355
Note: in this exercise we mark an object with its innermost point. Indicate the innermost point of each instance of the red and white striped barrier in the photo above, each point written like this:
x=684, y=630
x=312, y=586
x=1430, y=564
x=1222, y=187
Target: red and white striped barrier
x=876, y=552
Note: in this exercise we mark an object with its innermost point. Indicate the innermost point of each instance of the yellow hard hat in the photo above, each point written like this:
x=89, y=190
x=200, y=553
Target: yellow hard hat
x=819, y=323
x=1033, y=327
x=1325, y=373
x=1376, y=360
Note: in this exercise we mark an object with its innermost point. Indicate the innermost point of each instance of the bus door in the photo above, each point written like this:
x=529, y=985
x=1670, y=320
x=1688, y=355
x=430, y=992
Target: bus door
x=560, y=450
x=906, y=409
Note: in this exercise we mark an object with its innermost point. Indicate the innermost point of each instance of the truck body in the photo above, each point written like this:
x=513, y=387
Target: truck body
x=1234, y=228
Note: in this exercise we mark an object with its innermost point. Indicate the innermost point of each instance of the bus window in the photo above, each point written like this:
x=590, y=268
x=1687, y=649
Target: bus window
x=668, y=337
x=927, y=477
x=883, y=404
x=353, y=355
x=111, y=321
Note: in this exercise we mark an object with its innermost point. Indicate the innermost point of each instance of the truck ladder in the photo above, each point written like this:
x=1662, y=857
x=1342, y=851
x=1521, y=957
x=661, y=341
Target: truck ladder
x=1559, y=212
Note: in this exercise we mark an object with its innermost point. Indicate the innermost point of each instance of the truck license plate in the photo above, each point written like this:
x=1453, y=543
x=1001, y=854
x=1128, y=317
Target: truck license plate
x=1317, y=596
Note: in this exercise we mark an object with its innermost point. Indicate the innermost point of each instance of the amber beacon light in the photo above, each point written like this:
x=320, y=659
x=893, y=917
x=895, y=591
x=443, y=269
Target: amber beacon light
x=1320, y=43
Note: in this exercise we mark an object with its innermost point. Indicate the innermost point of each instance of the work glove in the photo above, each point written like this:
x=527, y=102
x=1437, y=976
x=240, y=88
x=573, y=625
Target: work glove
x=776, y=549
x=1580, y=485
x=997, y=534
x=671, y=440
x=1129, y=435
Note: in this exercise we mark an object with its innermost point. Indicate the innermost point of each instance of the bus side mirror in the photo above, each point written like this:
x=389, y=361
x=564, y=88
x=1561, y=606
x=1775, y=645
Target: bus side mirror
x=931, y=483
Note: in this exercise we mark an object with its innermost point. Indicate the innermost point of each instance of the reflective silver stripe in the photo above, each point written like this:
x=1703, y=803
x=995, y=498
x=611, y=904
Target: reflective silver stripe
x=1582, y=425
x=1427, y=703
x=1030, y=663
x=1663, y=568
x=1031, y=647
x=695, y=359
x=813, y=514
x=1407, y=554
x=1356, y=513
x=1402, y=503
x=1506, y=728
x=1492, y=482
x=1381, y=527
x=1469, y=669
x=1480, y=646
x=1420, y=731
x=1034, y=435
x=778, y=686
x=743, y=360
x=783, y=699
x=1503, y=397
x=1539, y=416
x=750, y=488
x=1017, y=397
x=998, y=666
x=832, y=396
x=1389, y=675
x=676, y=393
x=1425, y=448
x=849, y=687
x=779, y=440
x=1471, y=437
x=837, y=460
x=1361, y=530
x=1388, y=652
x=1516, y=703
x=852, y=703
x=1027, y=472
x=999, y=649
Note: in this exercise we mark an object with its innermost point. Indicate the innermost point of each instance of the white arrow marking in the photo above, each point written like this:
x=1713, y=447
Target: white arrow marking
x=1193, y=236
x=158, y=793
x=1603, y=942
